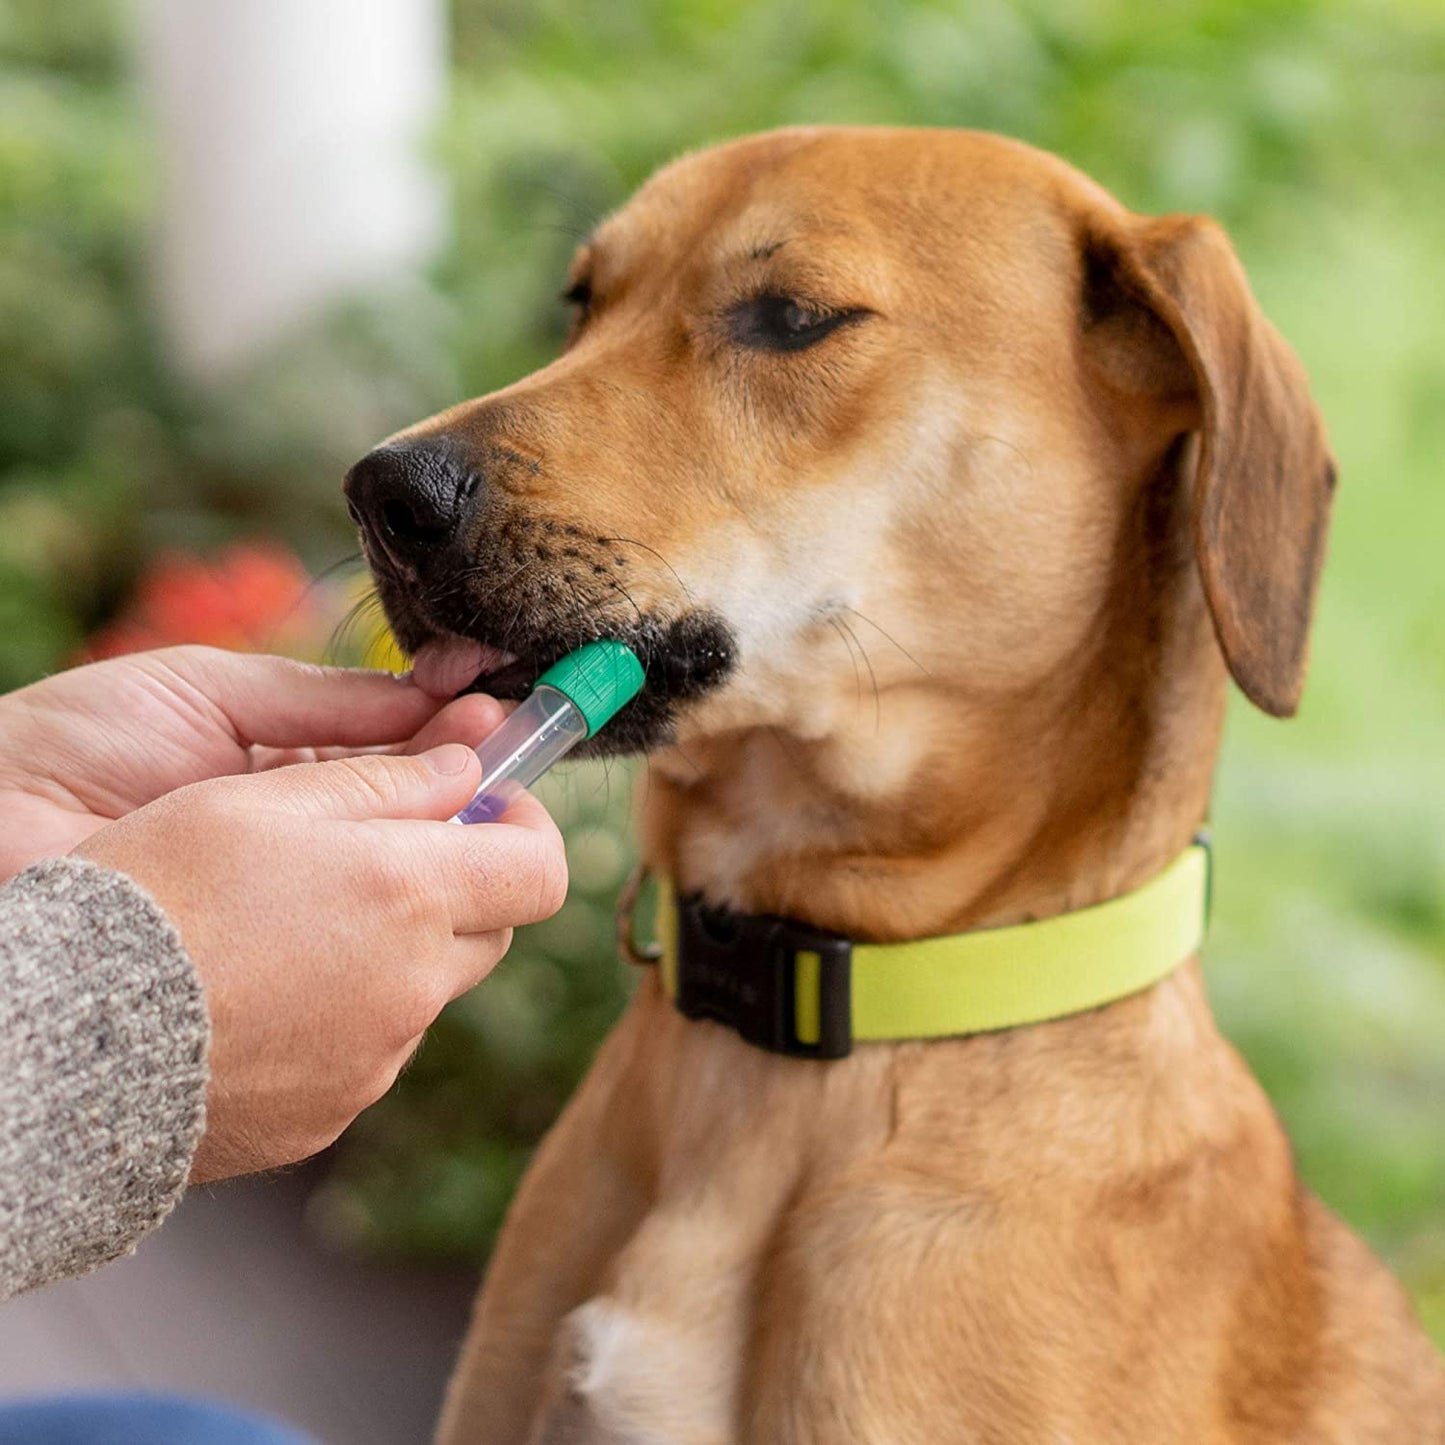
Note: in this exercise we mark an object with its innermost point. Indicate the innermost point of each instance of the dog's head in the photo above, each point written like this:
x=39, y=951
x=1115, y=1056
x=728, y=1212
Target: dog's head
x=851, y=414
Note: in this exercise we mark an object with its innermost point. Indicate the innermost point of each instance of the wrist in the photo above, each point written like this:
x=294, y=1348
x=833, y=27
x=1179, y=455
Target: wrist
x=24, y=742
x=41, y=819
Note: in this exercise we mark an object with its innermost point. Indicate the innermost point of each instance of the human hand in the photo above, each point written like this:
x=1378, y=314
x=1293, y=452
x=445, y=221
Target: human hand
x=88, y=746
x=331, y=916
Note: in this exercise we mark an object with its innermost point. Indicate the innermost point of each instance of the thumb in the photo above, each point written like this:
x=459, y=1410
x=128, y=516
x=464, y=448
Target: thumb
x=434, y=784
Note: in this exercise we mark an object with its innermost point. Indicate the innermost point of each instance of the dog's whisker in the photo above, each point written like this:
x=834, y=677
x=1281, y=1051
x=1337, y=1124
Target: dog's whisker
x=873, y=678
x=888, y=637
x=307, y=593
x=507, y=582
x=352, y=559
x=511, y=627
x=341, y=634
x=618, y=587
x=837, y=627
x=633, y=542
x=586, y=217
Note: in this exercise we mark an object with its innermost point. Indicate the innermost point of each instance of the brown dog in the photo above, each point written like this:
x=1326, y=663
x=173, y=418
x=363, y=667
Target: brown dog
x=937, y=491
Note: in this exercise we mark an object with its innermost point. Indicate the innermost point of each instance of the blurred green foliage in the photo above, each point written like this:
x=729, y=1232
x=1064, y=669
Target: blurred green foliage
x=106, y=455
x=1311, y=127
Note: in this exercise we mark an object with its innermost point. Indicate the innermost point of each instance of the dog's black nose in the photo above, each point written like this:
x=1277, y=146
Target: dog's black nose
x=409, y=498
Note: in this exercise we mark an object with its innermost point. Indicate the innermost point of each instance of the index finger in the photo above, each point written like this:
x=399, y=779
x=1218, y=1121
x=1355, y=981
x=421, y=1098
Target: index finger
x=280, y=703
x=467, y=720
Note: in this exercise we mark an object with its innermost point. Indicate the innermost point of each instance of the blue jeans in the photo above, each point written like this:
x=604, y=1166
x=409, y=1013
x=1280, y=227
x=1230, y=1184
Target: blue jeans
x=136, y=1419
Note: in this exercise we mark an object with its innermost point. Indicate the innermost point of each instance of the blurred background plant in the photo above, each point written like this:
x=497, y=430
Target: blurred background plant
x=1312, y=128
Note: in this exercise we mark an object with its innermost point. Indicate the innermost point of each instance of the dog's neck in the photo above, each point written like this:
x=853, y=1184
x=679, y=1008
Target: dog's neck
x=1068, y=795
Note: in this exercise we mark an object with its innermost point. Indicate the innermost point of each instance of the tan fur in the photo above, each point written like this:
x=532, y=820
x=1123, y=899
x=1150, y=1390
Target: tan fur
x=986, y=555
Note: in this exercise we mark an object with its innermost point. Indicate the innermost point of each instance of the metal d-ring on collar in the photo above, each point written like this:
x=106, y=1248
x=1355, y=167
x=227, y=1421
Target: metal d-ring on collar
x=639, y=954
x=741, y=970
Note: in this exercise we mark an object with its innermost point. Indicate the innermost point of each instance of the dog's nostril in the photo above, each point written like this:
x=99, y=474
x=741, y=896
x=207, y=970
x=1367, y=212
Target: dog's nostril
x=402, y=523
x=408, y=499
x=353, y=511
x=398, y=518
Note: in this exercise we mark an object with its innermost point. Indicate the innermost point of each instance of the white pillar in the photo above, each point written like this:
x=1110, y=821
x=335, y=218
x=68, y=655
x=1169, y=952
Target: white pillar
x=292, y=141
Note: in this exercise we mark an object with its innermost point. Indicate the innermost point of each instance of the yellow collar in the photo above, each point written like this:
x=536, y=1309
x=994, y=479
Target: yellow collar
x=796, y=990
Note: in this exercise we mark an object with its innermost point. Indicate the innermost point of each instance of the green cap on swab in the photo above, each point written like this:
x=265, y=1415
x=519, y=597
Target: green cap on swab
x=598, y=680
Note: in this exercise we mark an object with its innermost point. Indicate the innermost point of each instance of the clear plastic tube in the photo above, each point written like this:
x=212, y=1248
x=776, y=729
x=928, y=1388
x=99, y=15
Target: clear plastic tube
x=543, y=729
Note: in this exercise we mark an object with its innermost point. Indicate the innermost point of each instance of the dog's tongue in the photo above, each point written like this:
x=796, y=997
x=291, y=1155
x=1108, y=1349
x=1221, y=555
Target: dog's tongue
x=444, y=667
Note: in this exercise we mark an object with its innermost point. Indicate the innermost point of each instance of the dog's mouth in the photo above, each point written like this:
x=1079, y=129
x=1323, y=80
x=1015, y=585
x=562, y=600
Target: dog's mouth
x=511, y=681
x=493, y=616
x=451, y=666
x=682, y=659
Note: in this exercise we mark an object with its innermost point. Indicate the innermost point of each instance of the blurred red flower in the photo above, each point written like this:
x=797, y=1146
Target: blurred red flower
x=255, y=597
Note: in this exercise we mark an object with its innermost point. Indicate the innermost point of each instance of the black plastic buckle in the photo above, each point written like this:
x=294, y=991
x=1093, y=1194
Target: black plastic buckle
x=740, y=969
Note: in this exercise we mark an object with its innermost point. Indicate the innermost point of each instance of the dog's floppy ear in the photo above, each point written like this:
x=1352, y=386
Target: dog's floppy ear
x=1169, y=311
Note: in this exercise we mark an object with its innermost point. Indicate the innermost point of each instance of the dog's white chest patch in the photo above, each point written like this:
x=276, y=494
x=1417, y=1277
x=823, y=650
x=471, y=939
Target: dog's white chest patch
x=627, y=1379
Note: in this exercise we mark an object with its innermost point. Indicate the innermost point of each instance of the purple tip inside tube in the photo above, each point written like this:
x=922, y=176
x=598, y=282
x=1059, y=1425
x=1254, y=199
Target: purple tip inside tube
x=484, y=808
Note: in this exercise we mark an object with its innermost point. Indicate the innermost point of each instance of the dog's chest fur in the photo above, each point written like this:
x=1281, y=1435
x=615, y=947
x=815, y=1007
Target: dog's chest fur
x=788, y=1218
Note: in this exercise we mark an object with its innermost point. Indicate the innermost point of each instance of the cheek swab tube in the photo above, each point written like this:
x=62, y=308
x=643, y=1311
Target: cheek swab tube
x=570, y=702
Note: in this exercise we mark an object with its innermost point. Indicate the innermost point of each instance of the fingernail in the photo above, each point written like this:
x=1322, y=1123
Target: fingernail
x=449, y=759
x=404, y=678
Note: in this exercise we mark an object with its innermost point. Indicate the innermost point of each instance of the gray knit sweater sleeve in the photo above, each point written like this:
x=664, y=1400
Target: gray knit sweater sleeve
x=103, y=1039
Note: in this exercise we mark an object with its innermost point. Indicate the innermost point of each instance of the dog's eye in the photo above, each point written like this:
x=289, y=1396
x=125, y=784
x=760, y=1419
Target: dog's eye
x=579, y=294
x=781, y=323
